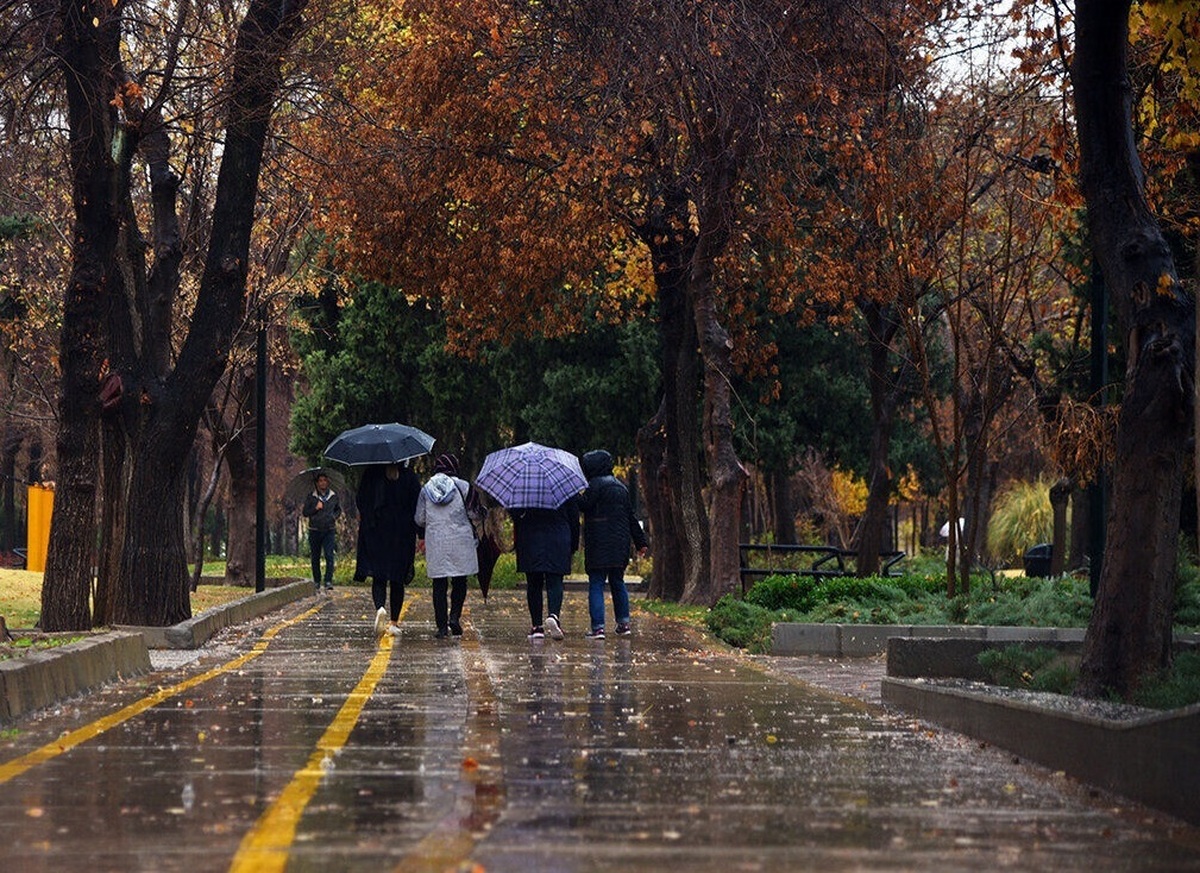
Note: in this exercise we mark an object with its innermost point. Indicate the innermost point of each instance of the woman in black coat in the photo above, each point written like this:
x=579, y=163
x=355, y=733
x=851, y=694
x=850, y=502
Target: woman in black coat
x=609, y=528
x=387, y=538
x=545, y=539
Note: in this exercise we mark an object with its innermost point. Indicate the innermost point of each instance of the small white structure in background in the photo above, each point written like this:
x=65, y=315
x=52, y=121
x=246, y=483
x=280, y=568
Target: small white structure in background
x=944, y=533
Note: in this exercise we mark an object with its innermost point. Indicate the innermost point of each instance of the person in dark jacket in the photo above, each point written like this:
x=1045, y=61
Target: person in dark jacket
x=545, y=539
x=387, y=538
x=609, y=529
x=322, y=508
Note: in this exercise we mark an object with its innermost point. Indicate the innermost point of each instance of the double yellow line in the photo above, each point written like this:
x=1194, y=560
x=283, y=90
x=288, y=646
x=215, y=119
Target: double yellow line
x=267, y=845
x=14, y=768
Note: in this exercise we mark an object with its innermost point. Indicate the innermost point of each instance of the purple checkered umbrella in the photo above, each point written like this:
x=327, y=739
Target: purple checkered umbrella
x=531, y=476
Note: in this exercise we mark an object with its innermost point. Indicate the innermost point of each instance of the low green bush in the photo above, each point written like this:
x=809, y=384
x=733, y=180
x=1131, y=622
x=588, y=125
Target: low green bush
x=741, y=624
x=1034, y=669
x=1180, y=686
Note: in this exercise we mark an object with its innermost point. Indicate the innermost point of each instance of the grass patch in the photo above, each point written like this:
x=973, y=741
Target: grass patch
x=25, y=645
x=691, y=615
x=1045, y=669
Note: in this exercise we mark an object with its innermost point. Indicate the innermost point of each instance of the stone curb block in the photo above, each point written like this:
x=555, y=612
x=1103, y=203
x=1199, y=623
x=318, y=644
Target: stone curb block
x=866, y=640
x=196, y=631
x=1154, y=760
x=42, y=678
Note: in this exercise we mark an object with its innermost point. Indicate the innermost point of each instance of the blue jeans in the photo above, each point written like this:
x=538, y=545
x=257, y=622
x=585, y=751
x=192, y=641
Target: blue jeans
x=553, y=586
x=321, y=542
x=615, y=577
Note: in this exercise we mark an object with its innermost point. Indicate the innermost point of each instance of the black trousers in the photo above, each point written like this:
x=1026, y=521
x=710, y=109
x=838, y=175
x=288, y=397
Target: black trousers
x=458, y=596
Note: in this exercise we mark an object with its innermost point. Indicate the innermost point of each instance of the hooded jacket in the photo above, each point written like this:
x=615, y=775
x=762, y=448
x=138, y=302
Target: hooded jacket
x=609, y=525
x=449, y=538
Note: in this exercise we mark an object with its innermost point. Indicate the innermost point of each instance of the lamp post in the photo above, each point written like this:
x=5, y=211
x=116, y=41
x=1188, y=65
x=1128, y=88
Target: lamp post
x=260, y=456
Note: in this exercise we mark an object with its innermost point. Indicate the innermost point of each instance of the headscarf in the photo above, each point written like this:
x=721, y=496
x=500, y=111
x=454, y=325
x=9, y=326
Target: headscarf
x=446, y=463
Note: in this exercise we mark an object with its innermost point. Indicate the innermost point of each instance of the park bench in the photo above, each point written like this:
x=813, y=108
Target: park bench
x=824, y=561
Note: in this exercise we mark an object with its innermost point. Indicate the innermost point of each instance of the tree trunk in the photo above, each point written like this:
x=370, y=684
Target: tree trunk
x=726, y=475
x=1060, y=495
x=89, y=54
x=154, y=580
x=115, y=491
x=1129, y=636
x=779, y=484
x=881, y=330
x=670, y=443
x=241, y=553
x=153, y=575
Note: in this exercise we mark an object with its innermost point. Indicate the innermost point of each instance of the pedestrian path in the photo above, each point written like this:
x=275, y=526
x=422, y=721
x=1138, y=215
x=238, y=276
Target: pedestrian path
x=305, y=743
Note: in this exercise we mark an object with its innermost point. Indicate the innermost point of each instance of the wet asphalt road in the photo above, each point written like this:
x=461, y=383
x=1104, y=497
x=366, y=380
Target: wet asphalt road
x=303, y=743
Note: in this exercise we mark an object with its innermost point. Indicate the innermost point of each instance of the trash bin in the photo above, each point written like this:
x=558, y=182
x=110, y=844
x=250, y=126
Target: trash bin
x=1037, y=560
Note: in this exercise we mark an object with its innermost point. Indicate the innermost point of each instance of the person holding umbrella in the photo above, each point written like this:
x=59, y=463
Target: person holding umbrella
x=322, y=508
x=387, y=538
x=538, y=486
x=545, y=539
x=444, y=524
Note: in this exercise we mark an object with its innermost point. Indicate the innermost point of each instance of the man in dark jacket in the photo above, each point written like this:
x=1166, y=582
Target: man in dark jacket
x=609, y=527
x=321, y=508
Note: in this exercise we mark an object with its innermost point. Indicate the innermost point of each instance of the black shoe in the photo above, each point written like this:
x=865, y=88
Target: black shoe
x=442, y=633
x=623, y=629
x=456, y=629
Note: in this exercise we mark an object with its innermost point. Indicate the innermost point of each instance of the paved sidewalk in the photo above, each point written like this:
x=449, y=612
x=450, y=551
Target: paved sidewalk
x=301, y=741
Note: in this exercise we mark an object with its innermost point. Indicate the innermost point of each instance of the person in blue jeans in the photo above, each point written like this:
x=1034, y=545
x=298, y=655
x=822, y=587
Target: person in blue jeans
x=322, y=508
x=609, y=529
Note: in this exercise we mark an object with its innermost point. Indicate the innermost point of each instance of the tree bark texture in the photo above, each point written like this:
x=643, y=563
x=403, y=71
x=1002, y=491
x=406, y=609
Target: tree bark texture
x=726, y=475
x=882, y=327
x=154, y=579
x=671, y=446
x=1129, y=636
x=89, y=56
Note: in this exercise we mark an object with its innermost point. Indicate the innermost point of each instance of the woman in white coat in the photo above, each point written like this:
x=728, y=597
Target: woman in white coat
x=450, y=555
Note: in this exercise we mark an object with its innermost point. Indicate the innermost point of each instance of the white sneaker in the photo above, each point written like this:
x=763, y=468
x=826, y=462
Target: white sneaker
x=553, y=627
x=381, y=621
x=394, y=630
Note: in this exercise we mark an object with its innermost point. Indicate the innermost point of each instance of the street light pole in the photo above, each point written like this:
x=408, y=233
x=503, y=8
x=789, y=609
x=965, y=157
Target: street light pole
x=260, y=457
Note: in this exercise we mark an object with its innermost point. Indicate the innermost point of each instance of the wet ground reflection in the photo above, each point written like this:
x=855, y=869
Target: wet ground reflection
x=630, y=753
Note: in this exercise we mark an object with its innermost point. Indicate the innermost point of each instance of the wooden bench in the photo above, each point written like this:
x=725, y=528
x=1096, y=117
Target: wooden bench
x=823, y=561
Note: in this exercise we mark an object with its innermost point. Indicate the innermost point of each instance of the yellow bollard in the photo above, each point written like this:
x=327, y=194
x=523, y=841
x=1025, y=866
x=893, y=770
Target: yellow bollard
x=39, y=508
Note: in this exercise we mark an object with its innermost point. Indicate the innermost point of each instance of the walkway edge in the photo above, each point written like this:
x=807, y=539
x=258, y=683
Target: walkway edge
x=44, y=678
x=199, y=629
x=1154, y=760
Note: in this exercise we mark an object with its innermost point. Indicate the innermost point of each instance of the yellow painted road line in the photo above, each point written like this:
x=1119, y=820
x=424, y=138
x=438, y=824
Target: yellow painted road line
x=266, y=847
x=14, y=768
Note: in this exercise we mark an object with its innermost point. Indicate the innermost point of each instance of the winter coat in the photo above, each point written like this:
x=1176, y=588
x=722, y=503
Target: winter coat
x=449, y=537
x=324, y=518
x=545, y=539
x=387, y=533
x=609, y=525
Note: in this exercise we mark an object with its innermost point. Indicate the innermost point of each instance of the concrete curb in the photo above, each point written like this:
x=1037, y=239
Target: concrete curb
x=865, y=640
x=199, y=629
x=43, y=678
x=1154, y=760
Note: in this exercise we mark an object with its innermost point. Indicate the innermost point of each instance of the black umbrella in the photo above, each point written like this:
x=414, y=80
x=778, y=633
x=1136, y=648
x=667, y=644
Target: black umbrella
x=378, y=444
x=302, y=484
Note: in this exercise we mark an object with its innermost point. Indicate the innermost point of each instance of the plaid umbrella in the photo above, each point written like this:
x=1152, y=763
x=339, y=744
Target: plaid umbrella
x=378, y=444
x=531, y=476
